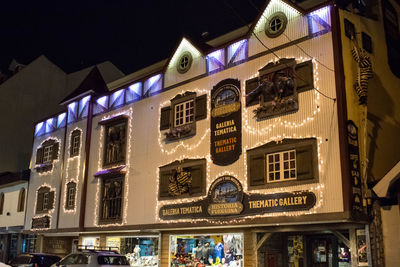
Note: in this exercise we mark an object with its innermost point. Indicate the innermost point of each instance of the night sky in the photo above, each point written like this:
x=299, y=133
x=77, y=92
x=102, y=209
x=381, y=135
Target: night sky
x=130, y=33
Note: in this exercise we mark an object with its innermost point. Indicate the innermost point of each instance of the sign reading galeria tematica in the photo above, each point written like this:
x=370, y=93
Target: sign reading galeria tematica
x=226, y=200
x=226, y=122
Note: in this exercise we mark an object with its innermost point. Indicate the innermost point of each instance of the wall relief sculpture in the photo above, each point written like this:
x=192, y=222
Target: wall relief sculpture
x=275, y=89
x=180, y=181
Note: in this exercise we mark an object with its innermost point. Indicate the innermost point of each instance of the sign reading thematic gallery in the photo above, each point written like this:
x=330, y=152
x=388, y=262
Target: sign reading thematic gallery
x=226, y=122
x=226, y=199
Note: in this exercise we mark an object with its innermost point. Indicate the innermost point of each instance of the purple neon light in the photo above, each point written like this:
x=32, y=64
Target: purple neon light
x=135, y=88
x=102, y=101
x=49, y=125
x=61, y=119
x=38, y=127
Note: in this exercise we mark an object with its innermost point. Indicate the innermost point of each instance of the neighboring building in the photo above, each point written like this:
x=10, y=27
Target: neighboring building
x=238, y=150
x=39, y=84
x=13, y=195
x=373, y=31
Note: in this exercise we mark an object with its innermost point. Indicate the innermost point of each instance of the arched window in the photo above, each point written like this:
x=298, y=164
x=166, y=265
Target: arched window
x=70, y=198
x=75, y=143
x=21, y=200
x=1, y=202
x=45, y=200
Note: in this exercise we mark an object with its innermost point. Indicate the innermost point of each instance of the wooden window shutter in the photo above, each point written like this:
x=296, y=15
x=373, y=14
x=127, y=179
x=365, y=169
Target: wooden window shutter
x=39, y=202
x=197, y=173
x=165, y=120
x=201, y=107
x=51, y=200
x=39, y=155
x=304, y=76
x=164, y=182
x=257, y=169
x=304, y=161
x=250, y=86
x=55, y=150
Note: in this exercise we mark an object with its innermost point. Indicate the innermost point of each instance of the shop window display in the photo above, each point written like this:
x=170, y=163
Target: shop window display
x=224, y=250
x=140, y=251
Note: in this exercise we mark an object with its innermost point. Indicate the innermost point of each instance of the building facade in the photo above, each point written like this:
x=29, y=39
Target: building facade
x=13, y=195
x=232, y=153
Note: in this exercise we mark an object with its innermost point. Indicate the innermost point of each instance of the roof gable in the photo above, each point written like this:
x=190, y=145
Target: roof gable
x=271, y=7
x=93, y=83
x=185, y=45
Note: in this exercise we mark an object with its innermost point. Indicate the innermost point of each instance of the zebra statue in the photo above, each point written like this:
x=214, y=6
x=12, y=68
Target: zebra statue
x=364, y=73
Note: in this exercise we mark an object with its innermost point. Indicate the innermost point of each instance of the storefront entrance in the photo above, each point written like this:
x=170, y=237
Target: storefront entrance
x=322, y=251
x=301, y=250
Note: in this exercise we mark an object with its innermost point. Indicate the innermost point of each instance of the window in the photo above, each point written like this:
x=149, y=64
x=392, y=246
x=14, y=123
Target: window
x=47, y=154
x=276, y=25
x=292, y=162
x=21, y=200
x=111, y=199
x=1, y=203
x=184, y=113
x=115, y=142
x=392, y=32
x=182, y=179
x=75, y=143
x=45, y=200
x=184, y=62
x=70, y=198
x=281, y=166
x=180, y=118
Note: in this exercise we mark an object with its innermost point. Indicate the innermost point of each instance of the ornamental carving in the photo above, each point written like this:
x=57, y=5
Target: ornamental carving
x=180, y=181
x=275, y=89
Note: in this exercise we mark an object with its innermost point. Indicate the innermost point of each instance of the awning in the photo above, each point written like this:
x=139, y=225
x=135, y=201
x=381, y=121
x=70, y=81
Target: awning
x=111, y=171
x=383, y=187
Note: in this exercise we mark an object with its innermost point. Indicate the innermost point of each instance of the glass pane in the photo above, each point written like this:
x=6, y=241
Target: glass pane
x=271, y=167
x=276, y=157
x=271, y=176
x=270, y=158
x=277, y=167
x=277, y=176
x=286, y=174
x=286, y=165
x=292, y=164
x=292, y=155
x=292, y=174
x=285, y=156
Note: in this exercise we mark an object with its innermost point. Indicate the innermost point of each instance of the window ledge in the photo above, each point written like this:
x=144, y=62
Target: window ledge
x=114, y=119
x=283, y=184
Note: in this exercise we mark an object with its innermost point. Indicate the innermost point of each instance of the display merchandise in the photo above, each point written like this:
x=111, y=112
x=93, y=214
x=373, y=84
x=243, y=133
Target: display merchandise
x=140, y=251
x=224, y=250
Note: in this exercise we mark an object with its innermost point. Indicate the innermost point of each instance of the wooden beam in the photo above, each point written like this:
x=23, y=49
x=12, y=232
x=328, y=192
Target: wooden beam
x=342, y=238
x=262, y=241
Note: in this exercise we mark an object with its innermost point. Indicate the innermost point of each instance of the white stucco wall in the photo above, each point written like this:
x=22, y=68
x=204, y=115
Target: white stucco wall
x=11, y=197
x=391, y=235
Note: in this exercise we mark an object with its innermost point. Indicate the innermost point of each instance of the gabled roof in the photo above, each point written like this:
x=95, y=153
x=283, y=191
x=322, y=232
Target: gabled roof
x=92, y=84
x=267, y=3
x=198, y=45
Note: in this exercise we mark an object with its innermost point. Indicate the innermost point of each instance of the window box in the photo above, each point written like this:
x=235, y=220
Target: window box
x=291, y=162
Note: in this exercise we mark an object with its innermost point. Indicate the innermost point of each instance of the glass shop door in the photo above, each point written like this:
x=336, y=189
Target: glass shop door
x=322, y=251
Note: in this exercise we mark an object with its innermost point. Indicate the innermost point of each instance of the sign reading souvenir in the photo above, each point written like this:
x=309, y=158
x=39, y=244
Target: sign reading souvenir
x=226, y=200
x=275, y=89
x=354, y=159
x=226, y=122
x=40, y=223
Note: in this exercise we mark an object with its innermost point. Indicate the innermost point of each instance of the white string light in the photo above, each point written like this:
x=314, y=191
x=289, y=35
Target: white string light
x=129, y=114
